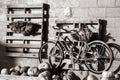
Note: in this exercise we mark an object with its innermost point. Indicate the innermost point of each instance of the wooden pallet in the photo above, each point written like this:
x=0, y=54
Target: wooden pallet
x=18, y=45
x=76, y=25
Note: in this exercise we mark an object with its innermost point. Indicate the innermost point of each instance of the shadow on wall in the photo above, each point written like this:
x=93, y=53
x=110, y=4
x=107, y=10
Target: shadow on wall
x=115, y=47
x=104, y=36
x=5, y=62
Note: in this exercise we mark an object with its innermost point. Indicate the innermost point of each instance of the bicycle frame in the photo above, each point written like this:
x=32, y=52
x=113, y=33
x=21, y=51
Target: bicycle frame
x=63, y=42
x=68, y=47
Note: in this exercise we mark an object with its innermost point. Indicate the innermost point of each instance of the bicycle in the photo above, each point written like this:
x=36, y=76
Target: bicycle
x=92, y=54
x=116, y=51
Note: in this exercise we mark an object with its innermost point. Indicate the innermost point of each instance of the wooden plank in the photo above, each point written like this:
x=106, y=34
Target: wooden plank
x=16, y=50
x=25, y=6
x=23, y=55
x=75, y=21
x=14, y=45
x=37, y=22
x=9, y=30
x=13, y=54
x=14, y=38
x=23, y=45
x=24, y=15
x=36, y=38
x=34, y=50
x=31, y=38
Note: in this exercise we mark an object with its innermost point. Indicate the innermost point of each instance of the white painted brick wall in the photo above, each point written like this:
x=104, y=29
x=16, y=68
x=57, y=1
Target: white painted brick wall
x=57, y=12
x=35, y=1
x=117, y=22
x=118, y=3
x=52, y=32
x=70, y=3
x=106, y=3
x=111, y=22
x=21, y=1
x=88, y=3
x=113, y=12
x=55, y=3
x=13, y=2
x=80, y=12
x=63, y=3
x=96, y=12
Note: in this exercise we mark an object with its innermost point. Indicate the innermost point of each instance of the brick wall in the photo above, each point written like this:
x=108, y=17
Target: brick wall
x=108, y=10
x=80, y=10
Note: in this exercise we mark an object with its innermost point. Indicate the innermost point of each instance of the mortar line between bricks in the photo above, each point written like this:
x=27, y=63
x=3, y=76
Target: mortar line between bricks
x=112, y=17
x=97, y=4
x=47, y=1
x=88, y=11
x=76, y=7
x=115, y=3
x=105, y=12
x=107, y=6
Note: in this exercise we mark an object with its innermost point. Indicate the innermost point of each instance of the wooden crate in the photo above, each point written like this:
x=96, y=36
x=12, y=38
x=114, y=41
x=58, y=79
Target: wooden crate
x=18, y=45
x=76, y=25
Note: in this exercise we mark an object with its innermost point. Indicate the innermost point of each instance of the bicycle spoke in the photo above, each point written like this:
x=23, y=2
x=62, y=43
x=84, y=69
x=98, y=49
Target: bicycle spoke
x=101, y=50
x=115, y=51
x=104, y=53
x=56, y=56
x=101, y=57
x=52, y=53
x=97, y=65
x=116, y=54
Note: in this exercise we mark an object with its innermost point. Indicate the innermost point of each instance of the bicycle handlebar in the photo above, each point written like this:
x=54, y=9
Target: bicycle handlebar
x=69, y=31
x=55, y=28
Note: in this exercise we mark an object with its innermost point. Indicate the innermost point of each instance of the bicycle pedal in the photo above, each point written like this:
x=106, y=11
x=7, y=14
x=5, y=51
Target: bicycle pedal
x=67, y=57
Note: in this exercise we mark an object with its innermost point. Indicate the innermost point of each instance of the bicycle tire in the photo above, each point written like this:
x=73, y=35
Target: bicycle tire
x=95, y=55
x=116, y=51
x=45, y=53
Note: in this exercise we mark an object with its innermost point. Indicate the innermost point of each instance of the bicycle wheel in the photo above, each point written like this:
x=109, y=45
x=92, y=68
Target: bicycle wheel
x=116, y=62
x=78, y=51
x=52, y=53
x=99, y=57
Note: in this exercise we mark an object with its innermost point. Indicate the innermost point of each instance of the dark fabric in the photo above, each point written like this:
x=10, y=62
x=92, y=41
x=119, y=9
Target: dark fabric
x=26, y=28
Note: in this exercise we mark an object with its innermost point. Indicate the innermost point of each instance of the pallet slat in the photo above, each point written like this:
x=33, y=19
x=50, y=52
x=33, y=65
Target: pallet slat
x=39, y=22
x=75, y=21
x=25, y=6
x=24, y=15
x=9, y=30
x=23, y=55
x=23, y=38
x=23, y=45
